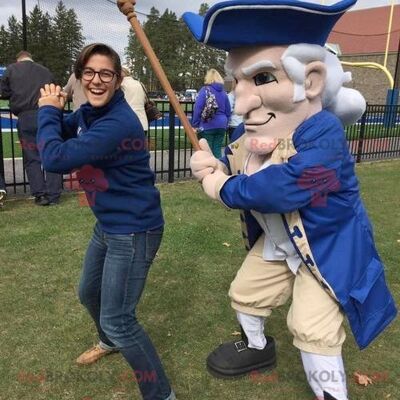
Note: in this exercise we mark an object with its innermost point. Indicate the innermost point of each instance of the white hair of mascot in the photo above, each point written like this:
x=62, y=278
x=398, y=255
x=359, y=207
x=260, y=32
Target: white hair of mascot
x=346, y=103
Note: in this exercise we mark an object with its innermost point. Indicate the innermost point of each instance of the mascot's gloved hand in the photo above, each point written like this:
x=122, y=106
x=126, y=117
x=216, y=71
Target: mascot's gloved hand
x=212, y=183
x=203, y=162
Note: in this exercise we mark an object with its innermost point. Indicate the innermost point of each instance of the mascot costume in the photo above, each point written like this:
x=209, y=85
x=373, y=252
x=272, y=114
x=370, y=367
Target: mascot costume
x=292, y=176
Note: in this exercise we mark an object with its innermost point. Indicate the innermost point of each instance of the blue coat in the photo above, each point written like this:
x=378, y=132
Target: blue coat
x=109, y=148
x=313, y=186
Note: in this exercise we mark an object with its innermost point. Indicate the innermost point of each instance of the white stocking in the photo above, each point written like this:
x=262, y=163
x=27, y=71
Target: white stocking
x=325, y=373
x=253, y=327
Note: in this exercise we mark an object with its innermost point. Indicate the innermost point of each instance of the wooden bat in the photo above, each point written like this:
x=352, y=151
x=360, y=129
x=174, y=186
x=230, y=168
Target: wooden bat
x=127, y=8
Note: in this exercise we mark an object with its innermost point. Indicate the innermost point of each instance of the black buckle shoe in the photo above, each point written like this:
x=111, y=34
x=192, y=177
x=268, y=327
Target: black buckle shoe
x=235, y=359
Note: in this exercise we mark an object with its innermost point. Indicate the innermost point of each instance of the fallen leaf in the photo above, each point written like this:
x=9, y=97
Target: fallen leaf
x=226, y=244
x=361, y=379
x=388, y=395
x=236, y=333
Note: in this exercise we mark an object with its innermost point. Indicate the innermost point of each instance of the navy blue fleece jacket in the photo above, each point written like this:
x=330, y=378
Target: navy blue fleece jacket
x=107, y=147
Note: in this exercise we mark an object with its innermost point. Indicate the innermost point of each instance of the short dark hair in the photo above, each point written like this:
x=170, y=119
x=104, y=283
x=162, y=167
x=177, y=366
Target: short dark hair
x=97, y=48
x=23, y=53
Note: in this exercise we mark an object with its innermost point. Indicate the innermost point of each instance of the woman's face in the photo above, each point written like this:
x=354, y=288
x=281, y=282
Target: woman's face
x=99, y=80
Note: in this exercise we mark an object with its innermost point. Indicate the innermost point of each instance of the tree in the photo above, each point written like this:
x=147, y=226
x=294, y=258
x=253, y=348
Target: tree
x=199, y=57
x=39, y=31
x=204, y=7
x=53, y=42
x=140, y=65
x=14, y=35
x=185, y=61
x=4, y=45
x=68, y=41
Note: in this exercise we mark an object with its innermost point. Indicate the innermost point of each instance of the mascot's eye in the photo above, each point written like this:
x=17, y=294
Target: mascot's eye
x=263, y=78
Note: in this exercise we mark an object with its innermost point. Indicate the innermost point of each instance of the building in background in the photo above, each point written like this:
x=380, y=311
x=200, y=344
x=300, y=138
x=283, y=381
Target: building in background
x=362, y=37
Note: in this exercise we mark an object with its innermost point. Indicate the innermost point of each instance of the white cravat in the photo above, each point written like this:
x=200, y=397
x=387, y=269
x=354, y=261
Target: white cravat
x=277, y=245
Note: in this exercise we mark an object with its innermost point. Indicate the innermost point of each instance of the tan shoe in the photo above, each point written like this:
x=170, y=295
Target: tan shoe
x=92, y=355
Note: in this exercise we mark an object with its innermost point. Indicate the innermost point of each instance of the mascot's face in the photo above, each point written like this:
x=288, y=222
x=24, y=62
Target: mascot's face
x=264, y=97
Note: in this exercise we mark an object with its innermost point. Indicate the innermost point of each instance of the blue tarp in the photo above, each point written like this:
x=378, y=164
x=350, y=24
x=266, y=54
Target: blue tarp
x=6, y=122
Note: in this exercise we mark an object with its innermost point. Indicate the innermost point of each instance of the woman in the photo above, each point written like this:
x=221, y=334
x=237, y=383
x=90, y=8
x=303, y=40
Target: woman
x=101, y=139
x=212, y=128
x=135, y=96
x=234, y=120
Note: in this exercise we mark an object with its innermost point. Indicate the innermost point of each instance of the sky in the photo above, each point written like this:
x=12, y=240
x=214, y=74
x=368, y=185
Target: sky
x=103, y=22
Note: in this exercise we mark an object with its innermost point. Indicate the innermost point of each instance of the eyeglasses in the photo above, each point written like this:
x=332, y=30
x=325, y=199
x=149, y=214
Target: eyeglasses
x=105, y=75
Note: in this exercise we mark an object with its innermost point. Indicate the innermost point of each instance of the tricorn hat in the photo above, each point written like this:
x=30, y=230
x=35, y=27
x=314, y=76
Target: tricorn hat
x=239, y=23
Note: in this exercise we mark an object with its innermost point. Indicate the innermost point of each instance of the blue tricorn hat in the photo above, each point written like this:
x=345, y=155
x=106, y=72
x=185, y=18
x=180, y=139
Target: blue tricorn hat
x=239, y=23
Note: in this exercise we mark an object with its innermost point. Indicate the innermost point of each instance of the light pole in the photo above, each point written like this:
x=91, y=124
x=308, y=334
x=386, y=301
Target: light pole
x=389, y=33
x=24, y=35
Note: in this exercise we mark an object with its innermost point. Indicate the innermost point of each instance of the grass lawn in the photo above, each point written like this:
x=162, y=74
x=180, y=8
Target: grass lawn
x=11, y=140
x=373, y=131
x=185, y=307
x=4, y=104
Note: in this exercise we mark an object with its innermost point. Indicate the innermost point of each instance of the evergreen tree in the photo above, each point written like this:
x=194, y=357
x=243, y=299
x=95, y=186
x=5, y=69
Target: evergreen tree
x=204, y=7
x=39, y=31
x=184, y=60
x=14, y=39
x=68, y=41
x=140, y=65
x=4, y=46
x=53, y=42
x=200, y=57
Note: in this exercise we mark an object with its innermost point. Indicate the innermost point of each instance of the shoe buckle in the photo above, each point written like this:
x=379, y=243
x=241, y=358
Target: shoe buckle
x=240, y=346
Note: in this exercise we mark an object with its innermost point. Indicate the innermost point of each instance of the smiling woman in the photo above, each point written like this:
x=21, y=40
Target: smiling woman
x=119, y=186
x=100, y=73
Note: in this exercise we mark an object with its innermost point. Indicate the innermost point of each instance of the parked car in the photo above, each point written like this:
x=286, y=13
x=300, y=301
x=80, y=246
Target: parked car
x=156, y=95
x=190, y=94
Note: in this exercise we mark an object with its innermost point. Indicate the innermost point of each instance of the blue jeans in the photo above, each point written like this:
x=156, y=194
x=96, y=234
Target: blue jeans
x=51, y=184
x=112, y=281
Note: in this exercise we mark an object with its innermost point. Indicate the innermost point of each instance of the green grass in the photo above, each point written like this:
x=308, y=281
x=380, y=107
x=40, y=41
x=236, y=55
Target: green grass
x=375, y=131
x=11, y=140
x=185, y=307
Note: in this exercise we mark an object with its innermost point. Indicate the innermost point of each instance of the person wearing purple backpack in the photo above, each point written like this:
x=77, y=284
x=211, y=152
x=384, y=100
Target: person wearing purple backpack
x=212, y=111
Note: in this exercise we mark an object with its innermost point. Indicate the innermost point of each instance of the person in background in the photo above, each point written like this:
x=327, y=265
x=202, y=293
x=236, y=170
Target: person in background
x=119, y=186
x=234, y=120
x=135, y=96
x=3, y=191
x=74, y=91
x=21, y=84
x=214, y=128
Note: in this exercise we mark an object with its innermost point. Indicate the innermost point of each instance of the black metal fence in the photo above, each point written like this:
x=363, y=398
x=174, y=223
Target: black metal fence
x=375, y=137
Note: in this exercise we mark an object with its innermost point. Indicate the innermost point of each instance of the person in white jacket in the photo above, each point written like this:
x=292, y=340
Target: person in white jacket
x=135, y=96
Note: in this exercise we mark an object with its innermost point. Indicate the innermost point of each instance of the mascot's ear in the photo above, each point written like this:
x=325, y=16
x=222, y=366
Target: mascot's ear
x=315, y=79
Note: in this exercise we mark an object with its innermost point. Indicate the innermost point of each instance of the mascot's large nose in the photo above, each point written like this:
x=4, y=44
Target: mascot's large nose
x=245, y=101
